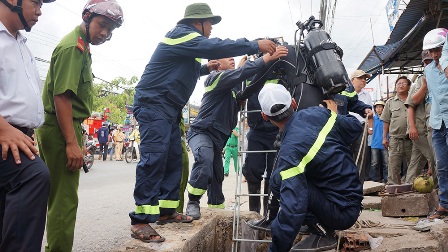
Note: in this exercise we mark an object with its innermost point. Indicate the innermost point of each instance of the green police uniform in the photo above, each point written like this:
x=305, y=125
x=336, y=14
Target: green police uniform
x=231, y=151
x=421, y=150
x=400, y=145
x=185, y=171
x=70, y=70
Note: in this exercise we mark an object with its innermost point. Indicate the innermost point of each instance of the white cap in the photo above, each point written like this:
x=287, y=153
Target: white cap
x=273, y=94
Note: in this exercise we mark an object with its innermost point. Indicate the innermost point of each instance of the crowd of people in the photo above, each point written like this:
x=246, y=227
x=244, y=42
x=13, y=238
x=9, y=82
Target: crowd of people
x=314, y=180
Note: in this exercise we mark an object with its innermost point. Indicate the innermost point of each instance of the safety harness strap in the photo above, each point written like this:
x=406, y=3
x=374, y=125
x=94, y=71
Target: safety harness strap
x=291, y=172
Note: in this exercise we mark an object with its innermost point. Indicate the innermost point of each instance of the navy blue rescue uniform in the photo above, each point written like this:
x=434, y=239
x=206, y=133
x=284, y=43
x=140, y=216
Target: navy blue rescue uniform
x=165, y=87
x=261, y=137
x=316, y=178
x=212, y=127
x=347, y=101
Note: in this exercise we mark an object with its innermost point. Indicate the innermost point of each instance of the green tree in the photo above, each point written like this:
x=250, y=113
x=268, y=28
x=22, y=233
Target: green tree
x=114, y=95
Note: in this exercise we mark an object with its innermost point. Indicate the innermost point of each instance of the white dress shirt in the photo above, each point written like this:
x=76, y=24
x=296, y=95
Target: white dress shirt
x=20, y=85
x=365, y=97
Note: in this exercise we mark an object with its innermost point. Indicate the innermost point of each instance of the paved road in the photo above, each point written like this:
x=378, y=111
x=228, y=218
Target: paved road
x=105, y=199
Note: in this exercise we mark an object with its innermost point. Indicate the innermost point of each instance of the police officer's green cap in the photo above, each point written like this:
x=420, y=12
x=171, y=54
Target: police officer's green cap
x=199, y=11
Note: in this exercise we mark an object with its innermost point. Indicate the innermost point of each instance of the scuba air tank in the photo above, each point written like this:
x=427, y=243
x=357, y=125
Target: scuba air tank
x=322, y=58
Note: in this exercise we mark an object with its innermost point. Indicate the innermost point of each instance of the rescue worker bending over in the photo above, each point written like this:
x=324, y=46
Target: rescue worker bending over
x=212, y=127
x=316, y=178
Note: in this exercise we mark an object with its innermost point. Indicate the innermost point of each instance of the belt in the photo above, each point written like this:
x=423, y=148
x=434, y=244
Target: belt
x=232, y=146
x=27, y=131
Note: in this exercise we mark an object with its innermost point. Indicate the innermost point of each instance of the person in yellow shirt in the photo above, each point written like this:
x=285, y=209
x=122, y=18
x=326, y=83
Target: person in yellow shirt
x=135, y=136
x=118, y=139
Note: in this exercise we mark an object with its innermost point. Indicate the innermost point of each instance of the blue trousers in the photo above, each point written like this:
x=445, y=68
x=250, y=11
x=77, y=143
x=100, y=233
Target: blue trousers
x=207, y=173
x=159, y=170
x=24, y=190
x=379, y=159
x=440, y=144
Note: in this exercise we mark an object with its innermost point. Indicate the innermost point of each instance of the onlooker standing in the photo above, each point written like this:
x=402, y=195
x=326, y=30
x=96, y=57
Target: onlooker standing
x=118, y=140
x=68, y=100
x=438, y=90
x=103, y=139
x=359, y=81
x=394, y=118
x=417, y=127
x=135, y=136
x=231, y=151
x=379, y=153
x=111, y=145
x=24, y=177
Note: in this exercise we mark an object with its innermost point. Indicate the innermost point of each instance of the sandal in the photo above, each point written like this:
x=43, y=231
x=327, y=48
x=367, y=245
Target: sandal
x=439, y=214
x=175, y=217
x=145, y=234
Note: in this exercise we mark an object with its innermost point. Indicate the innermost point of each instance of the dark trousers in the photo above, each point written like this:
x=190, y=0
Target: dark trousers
x=103, y=150
x=24, y=190
x=159, y=170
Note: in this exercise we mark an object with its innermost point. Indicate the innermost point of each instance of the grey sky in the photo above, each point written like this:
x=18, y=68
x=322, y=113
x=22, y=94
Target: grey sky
x=146, y=23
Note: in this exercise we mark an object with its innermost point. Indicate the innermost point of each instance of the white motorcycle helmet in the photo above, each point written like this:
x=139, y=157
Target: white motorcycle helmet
x=434, y=38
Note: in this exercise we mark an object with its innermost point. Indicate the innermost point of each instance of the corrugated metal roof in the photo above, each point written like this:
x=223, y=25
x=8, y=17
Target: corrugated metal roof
x=402, y=51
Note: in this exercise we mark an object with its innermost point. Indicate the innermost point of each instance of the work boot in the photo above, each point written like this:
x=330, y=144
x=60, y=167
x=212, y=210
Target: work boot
x=265, y=223
x=319, y=240
x=304, y=230
x=254, y=201
x=193, y=210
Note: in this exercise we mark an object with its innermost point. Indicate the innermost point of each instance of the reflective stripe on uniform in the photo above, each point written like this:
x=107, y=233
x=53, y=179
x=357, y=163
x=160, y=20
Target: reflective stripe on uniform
x=168, y=203
x=291, y=172
x=198, y=60
x=273, y=81
x=195, y=191
x=220, y=206
x=213, y=85
x=147, y=209
x=176, y=41
x=345, y=93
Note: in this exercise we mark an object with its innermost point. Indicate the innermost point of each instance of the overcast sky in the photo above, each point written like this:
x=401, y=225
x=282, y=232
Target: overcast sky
x=147, y=22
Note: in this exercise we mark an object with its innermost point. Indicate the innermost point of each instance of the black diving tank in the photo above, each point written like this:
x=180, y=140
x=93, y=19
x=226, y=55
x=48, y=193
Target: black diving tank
x=323, y=58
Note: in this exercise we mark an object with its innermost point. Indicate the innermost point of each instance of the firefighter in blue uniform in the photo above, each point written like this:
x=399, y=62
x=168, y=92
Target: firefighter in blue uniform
x=165, y=87
x=212, y=127
x=316, y=179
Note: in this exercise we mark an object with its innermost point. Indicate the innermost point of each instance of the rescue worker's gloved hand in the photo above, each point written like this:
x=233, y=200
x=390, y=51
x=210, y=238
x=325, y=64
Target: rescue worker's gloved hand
x=266, y=46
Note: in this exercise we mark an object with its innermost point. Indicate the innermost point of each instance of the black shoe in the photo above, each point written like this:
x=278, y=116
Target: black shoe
x=304, y=230
x=263, y=224
x=316, y=242
x=193, y=209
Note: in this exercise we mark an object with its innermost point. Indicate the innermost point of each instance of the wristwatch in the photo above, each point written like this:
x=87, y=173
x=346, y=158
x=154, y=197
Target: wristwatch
x=370, y=128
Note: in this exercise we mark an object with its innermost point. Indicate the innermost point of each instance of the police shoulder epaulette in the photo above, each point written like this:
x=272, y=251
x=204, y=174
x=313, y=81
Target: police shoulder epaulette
x=81, y=45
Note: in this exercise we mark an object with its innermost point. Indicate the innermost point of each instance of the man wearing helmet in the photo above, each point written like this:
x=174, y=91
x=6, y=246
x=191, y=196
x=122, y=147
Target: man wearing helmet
x=165, y=87
x=24, y=177
x=438, y=90
x=68, y=101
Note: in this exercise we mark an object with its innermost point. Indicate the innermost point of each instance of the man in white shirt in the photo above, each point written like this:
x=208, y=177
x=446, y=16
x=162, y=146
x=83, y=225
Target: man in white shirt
x=359, y=81
x=24, y=177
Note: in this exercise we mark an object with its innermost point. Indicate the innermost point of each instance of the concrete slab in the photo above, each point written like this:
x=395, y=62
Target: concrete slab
x=371, y=202
x=213, y=232
x=412, y=204
x=370, y=187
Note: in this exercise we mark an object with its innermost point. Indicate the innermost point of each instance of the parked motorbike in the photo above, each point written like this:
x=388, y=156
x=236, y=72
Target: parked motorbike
x=130, y=153
x=89, y=154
